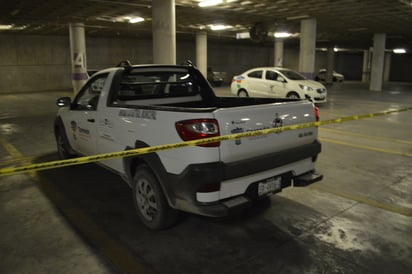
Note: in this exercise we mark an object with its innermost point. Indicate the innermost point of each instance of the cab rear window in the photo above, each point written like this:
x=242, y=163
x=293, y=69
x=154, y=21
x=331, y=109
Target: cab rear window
x=157, y=83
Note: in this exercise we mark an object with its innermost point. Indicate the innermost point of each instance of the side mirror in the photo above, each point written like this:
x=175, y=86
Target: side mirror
x=63, y=102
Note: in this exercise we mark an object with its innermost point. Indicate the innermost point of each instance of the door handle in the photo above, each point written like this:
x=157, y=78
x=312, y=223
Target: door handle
x=91, y=120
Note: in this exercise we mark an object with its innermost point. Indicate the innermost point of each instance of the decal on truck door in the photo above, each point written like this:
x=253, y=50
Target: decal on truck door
x=137, y=113
x=237, y=130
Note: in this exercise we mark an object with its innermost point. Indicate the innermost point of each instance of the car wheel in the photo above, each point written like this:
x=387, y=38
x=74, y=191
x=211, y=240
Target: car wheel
x=292, y=95
x=150, y=202
x=63, y=147
x=242, y=93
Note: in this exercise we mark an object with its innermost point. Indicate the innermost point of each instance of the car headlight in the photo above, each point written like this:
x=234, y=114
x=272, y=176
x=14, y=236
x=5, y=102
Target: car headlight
x=306, y=88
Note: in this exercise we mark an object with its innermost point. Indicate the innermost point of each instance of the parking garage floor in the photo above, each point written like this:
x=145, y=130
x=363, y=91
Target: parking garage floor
x=80, y=219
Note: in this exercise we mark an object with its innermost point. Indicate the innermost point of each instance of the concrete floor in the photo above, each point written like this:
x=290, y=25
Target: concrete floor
x=80, y=219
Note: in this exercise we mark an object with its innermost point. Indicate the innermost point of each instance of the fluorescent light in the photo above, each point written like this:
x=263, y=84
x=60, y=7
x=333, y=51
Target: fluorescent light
x=297, y=17
x=134, y=20
x=219, y=27
x=209, y=3
x=5, y=27
x=282, y=34
x=399, y=51
x=242, y=35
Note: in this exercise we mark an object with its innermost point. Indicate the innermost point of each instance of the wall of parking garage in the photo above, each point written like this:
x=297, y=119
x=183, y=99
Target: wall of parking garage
x=42, y=63
x=34, y=63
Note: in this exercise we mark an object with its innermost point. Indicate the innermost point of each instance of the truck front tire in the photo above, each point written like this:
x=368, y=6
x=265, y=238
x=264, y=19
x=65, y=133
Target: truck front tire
x=150, y=201
x=63, y=147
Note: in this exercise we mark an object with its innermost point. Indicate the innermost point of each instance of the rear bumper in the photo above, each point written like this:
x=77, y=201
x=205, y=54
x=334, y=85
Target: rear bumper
x=228, y=206
x=181, y=189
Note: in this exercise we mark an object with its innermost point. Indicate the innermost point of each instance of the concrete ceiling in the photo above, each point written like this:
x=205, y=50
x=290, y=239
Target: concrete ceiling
x=342, y=23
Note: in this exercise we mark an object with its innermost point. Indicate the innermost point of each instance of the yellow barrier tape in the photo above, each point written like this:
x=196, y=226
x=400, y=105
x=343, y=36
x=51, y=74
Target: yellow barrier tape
x=133, y=152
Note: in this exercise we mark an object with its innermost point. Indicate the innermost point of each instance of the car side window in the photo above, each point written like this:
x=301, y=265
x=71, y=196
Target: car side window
x=271, y=75
x=255, y=74
x=89, y=95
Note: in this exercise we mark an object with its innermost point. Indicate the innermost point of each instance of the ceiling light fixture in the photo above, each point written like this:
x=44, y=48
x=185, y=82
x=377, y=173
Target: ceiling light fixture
x=297, y=17
x=399, y=51
x=242, y=35
x=134, y=20
x=282, y=34
x=210, y=3
x=406, y=2
x=5, y=27
x=219, y=27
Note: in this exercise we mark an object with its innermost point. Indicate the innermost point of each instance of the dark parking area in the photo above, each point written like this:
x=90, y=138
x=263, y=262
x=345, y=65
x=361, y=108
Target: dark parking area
x=81, y=219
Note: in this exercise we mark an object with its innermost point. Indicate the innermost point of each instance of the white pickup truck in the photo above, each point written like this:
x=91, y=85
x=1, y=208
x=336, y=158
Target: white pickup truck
x=127, y=107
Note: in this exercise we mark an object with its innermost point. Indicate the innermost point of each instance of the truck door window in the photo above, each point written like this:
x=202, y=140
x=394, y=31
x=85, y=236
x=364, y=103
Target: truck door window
x=89, y=95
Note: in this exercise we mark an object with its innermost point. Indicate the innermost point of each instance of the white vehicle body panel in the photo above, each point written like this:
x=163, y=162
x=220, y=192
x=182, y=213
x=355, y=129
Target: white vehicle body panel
x=113, y=127
x=279, y=87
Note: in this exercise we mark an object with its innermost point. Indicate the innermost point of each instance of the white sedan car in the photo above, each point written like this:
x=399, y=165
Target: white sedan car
x=277, y=82
x=336, y=77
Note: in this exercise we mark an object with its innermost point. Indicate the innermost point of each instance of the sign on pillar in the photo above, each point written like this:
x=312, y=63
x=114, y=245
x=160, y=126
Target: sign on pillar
x=79, y=71
x=78, y=56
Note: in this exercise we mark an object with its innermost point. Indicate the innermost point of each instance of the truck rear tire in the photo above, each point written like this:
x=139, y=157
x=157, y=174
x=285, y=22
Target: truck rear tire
x=150, y=202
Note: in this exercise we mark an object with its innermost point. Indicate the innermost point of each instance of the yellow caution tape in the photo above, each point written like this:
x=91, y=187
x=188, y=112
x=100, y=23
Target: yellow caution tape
x=133, y=152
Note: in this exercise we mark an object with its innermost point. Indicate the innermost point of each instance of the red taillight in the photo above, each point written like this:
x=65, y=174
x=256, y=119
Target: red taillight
x=316, y=109
x=197, y=129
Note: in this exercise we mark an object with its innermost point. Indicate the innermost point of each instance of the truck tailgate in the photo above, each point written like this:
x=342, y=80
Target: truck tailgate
x=252, y=118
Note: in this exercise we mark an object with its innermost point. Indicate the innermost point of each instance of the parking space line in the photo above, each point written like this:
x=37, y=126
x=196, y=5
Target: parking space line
x=367, y=136
x=114, y=252
x=14, y=153
x=389, y=151
x=364, y=200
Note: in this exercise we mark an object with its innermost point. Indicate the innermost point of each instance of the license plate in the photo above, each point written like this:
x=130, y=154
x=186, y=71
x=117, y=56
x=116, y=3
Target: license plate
x=269, y=185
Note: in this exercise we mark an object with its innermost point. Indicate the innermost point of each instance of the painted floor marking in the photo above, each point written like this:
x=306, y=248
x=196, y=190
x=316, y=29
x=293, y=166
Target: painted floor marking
x=389, y=151
x=364, y=200
x=367, y=136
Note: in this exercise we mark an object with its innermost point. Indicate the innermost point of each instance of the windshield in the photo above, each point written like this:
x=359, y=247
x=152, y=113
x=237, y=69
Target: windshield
x=292, y=75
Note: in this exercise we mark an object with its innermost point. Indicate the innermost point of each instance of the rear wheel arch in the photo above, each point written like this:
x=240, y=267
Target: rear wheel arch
x=242, y=93
x=153, y=162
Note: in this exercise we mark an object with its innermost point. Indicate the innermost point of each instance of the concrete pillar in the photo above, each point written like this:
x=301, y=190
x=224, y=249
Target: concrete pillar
x=201, y=52
x=78, y=56
x=387, y=66
x=307, y=47
x=164, y=31
x=330, y=66
x=366, y=66
x=377, y=62
x=278, y=60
